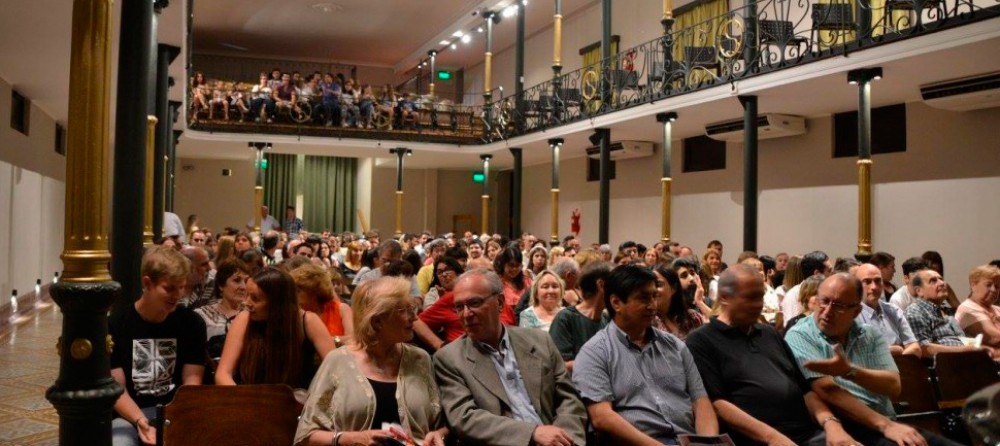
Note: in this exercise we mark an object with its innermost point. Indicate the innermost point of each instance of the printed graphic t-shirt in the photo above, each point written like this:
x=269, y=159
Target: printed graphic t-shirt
x=153, y=356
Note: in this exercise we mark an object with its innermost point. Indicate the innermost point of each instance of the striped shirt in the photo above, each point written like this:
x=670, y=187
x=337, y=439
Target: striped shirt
x=865, y=348
x=652, y=387
x=888, y=320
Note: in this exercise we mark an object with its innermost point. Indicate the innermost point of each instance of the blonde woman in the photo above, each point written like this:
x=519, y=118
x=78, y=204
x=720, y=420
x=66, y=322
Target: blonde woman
x=315, y=292
x=546, y=301
x=377, y=379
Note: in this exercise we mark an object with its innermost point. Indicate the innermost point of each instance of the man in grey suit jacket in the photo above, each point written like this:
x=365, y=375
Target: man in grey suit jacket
x=504, y=386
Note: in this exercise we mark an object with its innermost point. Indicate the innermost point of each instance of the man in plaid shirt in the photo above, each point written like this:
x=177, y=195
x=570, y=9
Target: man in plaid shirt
x=935, y=330
x=293, y=225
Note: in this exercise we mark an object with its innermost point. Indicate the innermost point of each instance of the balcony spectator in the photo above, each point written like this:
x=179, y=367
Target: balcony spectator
x=261, y=101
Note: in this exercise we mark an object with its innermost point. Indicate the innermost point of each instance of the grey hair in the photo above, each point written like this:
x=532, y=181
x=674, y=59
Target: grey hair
x=729, y=278
x=851, y=281
x=492, y=279
x=564, y=267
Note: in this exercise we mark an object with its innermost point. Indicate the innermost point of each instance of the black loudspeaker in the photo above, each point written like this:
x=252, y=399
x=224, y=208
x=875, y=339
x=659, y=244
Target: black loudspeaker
x=227, y=172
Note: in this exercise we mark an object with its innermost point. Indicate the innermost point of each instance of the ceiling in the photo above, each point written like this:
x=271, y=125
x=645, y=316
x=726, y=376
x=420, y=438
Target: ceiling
x=347, y=31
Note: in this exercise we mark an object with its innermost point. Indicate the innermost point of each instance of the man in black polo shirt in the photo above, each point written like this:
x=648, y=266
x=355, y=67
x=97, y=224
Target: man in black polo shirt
x=751, y=376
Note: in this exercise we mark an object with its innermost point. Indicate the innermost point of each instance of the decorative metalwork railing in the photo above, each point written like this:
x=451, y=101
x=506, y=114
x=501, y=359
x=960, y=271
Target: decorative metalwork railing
x=757, y=38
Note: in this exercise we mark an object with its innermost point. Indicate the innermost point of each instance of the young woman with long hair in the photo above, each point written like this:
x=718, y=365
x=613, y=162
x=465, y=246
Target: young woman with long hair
x=273, y=341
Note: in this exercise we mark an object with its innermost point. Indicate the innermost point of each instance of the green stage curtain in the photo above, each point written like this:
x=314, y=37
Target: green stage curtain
x=329, y=189
x=279, y=184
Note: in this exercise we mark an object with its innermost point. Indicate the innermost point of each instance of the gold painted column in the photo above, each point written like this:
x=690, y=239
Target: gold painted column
x=485, y=226
x=863, y=78
x=147, y=221
x=557, y=58
x=556, y=145
x=84, y=392
x=865, y=206
x=400, y=153
x=667, y=121
x=432, y=55
x=491, y=18
x=258, y=190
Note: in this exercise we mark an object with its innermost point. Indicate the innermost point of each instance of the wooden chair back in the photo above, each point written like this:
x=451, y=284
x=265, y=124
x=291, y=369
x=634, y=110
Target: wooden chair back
x=917, y=403
x=960, y=374
x=217, y=415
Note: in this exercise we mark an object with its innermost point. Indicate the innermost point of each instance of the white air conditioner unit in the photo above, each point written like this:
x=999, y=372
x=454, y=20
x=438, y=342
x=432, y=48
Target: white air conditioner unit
x=768, y=126
x=623, y=150
x=971, y=93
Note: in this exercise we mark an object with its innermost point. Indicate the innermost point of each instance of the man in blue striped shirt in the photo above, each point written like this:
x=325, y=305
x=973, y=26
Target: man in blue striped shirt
x=850, y=367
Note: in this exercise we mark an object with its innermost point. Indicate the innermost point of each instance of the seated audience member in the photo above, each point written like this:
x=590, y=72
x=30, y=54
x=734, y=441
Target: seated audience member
x=885, y=317
x=377, y=378
x=546, y=301
x=904, y=296
x=936, y=263
x=848, y=265
x=935, y=329
x=230, y=290
x=315, y=293
x=672, y=312
x=273, y=342
x=568, y=271
x=816, y=262
x=807, y=299
x=640, y=384
x=440, y=316
x=435, y=250
x=886, y=263
x=711, y=264
x=771, y=302
x=388, y=252
x=201, y=282
x=351, y=265
x=504, y=385
x=751, y=377
x=979, y=314
x=850, y=368
x=367, y=107
x=537, y=261
x=261, y=101
x=154, y=323
x=694, y=291
x=515, y=282
x=575, y=325
x=791, y=276
x=284, y=95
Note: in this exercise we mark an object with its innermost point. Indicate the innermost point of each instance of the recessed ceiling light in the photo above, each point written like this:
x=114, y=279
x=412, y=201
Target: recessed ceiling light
x=466, y=38
x=458, y=33
x=328, y=7
x=445, y=42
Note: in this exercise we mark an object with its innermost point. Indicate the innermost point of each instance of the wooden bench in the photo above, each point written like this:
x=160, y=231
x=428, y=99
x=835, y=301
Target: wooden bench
x=221, y=415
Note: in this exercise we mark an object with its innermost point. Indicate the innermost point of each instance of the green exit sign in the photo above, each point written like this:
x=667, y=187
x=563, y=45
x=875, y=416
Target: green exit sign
x=263, y=163
x=478, y=177
x=444, y=75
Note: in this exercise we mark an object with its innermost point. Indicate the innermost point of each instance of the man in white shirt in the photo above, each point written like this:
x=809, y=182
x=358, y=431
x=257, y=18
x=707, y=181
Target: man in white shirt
x=267, y=222
x=906, y=295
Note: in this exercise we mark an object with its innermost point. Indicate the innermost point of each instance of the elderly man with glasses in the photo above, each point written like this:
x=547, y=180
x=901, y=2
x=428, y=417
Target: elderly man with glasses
x=849, y=366
x=504, y=385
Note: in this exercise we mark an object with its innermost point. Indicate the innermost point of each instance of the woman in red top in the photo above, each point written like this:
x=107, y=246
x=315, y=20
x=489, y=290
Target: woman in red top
x=315, y=292
x=508, y=266
x=440, y=317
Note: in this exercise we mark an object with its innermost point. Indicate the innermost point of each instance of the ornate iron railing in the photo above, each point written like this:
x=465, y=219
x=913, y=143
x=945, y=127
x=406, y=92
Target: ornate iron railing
x=757, y=38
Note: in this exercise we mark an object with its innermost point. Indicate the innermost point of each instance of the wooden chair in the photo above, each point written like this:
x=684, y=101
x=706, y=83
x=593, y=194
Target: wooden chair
x=916, y=404
x=217, y=415
x=960, y=374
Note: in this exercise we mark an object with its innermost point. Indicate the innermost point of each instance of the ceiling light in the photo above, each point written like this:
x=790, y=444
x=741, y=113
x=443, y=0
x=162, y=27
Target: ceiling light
x=479, y=29
x=466, y=38
x=327, y=7
x=453, y=46
x=458, y=33
x=509, y=11
x=444, y=42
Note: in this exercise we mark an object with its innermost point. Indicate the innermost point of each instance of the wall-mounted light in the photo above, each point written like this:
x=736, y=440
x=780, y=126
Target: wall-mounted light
x=55, y=277
x=864, y=75
x=13, y=303
x=38, y=287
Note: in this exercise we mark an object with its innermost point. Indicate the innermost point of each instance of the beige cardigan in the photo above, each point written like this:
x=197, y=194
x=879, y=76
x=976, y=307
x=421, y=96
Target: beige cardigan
x=341, y=399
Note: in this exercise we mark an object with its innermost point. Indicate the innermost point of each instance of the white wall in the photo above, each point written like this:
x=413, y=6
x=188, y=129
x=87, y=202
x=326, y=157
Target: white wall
x=219, y=201
x=32, y=200
x=938, y=195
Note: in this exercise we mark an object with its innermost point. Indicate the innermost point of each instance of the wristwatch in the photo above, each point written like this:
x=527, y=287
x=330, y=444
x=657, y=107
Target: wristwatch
x=851, y=374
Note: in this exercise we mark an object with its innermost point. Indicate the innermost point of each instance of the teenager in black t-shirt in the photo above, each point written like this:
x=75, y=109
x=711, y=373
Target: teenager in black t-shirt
x=157, y=346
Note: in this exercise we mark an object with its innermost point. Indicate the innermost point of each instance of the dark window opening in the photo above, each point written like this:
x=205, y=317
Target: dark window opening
x=888, y=131
x=702, y=153
x=20, y=112
x=594, y=169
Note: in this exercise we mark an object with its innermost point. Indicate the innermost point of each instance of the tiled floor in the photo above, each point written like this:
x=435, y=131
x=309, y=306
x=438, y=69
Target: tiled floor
x=28, y=366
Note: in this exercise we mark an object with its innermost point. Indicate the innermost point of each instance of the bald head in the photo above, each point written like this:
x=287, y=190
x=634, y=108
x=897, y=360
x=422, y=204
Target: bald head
x=871, y=283
x=199, y=264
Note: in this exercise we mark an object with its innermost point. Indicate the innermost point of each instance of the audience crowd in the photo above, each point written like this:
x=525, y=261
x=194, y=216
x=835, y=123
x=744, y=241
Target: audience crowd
x=322, y=99
x=417, y=339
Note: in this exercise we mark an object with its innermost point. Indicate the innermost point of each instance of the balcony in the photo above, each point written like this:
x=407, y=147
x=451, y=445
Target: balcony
x=754, y=39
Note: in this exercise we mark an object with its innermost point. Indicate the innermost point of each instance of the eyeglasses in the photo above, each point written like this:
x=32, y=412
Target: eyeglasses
x=472, y=303
x=836, y=307
x=445, y=273
x=408, y=310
